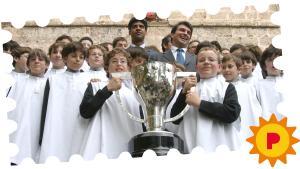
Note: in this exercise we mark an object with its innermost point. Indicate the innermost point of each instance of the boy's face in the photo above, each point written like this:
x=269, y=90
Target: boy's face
x=121, y=44
x=137, y=61
x=21, y=63
x=192, y=47
x=118, y=63
x=207, y=64
x=271, y=70
x=86, y=44
x=74, y=60
x=230, y=71
x=56, y=58
x=95, y=58
x=37, y=66
x=246, y=68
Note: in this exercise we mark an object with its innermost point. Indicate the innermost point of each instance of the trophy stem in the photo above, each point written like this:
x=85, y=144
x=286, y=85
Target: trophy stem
x=154, y=120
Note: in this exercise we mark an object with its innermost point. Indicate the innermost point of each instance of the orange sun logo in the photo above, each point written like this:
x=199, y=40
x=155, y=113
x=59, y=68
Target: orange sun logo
x=272, y=140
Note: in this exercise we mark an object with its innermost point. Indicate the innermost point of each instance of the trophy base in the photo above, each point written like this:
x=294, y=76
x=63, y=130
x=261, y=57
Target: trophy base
x=158, y=141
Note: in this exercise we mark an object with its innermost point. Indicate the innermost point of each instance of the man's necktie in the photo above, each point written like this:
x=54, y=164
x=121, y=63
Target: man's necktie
x=179, y=57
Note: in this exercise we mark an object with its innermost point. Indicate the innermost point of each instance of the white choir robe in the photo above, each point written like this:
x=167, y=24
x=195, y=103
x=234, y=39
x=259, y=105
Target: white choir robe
x=85, y=66
x=250, y=108
x=251, y=80
x=17, y=75
x=28, y=93
x=97, y=74
x=257, y=73
x=64, y=127
x=111, y=128
x=268, y=96
x=197, y=129
x=52, y=71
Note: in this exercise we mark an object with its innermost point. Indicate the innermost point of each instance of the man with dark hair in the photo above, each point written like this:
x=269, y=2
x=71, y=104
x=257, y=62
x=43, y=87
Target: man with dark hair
x=138, y=30
x=181, y=34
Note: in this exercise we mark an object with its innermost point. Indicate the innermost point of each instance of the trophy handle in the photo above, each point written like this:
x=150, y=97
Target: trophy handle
x=125, y=109
x=182, y=113
x=178, y=116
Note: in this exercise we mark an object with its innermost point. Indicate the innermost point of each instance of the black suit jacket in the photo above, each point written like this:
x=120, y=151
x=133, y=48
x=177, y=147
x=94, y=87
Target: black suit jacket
x=190, y=60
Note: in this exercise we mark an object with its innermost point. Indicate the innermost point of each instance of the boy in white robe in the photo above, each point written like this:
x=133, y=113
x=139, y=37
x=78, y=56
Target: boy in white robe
x=95, y=56
x=214, y=107
x=28, y=94
x=57, y=63
x=267, y=95
x=249, y=64
x=20, y=55
x=250, y=107
x=62, y=128
x=257, y=52
x=111, y=128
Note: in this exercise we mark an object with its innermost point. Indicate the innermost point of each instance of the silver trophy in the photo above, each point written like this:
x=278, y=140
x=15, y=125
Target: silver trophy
x=154, y=86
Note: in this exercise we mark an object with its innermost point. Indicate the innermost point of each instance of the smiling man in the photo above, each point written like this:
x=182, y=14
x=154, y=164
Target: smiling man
x=181, y=34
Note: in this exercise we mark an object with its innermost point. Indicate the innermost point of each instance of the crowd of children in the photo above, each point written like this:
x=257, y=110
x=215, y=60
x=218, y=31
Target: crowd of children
x=66, y=100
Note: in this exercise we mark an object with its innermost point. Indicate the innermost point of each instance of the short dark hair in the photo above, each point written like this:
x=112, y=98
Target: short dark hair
x=247, y=55
x=134, y=20
x=217, y=44
x=11, y=45
x=204, y=44
x=231, y=57
x=86, y=38
x=137, y=52
x=54, y=46
x=105, y=45
x=236, y=47
x=256, y=50
x=17, y=52
x=185, y=23
x=116, y=40
x=71, y=48
x=61, y=37
x=268, y=52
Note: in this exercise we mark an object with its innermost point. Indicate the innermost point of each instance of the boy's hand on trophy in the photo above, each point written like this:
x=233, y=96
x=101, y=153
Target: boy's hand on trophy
x=114, y=84
x=189, y=82
x=193, y=99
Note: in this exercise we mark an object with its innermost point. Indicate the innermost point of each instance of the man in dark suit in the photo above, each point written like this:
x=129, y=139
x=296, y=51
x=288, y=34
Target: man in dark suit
x=181, y=34
x=138, y=30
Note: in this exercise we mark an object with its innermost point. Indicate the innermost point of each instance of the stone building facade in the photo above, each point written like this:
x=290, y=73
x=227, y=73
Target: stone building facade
x=226, y=27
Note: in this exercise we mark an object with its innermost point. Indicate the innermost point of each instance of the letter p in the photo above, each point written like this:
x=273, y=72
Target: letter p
x=272, y=138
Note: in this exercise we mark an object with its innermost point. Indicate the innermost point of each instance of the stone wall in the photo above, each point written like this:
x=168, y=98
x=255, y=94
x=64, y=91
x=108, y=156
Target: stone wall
x=226, y=27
